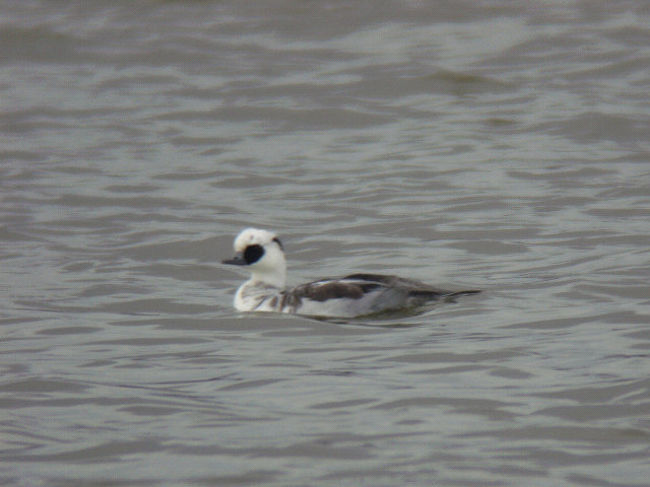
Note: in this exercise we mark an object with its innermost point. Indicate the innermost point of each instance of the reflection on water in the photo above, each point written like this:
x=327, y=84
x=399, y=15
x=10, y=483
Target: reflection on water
x=503, y=148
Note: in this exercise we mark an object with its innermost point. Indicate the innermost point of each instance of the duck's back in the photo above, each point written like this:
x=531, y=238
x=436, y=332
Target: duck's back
x=361, y=294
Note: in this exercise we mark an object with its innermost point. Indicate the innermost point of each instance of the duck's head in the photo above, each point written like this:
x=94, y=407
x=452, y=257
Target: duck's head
x=262, y=252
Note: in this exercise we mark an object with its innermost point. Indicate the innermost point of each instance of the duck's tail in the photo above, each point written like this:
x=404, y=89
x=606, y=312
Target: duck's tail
x=460, y=293
x=425, y=295
x=451, y=297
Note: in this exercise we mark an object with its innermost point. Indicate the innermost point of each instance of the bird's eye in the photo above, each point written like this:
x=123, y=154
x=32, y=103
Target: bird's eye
x=253, y=253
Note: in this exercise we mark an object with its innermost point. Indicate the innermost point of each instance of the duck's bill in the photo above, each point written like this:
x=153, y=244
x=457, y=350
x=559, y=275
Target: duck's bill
x=236, y=260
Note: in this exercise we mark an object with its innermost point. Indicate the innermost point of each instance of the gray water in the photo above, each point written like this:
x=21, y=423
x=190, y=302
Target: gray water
x=495, y=145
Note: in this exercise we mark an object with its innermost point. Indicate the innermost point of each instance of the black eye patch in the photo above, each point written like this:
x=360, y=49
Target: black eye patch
x=253, y=253
x=277, y=241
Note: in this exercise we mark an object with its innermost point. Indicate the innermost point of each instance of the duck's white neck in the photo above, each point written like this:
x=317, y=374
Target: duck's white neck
x=277, y=278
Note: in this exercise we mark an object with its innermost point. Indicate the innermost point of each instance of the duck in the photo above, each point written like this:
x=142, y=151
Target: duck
x=355, y=295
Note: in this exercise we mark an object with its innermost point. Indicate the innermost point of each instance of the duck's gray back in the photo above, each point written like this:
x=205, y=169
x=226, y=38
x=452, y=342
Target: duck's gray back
x=361, y=294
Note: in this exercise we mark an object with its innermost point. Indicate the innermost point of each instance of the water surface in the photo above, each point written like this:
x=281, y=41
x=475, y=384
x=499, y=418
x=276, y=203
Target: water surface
x=483, y=145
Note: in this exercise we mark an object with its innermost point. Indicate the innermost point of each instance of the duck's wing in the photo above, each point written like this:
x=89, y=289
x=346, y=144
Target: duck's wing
x=325, y=289
x=413, y=288
x=357, y=286
x=336, y=297
x=361, y=294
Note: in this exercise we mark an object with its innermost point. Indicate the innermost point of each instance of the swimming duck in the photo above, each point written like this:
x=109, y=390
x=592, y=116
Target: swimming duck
x=347, y=297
